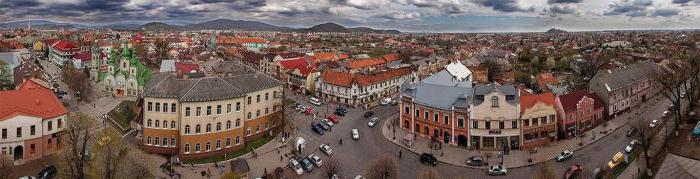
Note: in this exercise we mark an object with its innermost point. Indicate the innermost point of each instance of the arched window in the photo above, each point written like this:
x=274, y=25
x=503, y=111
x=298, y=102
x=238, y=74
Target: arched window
x=187, y=148
x=228, y=124
x=238, y=122
x=165, y=124
x=208, y=127
x=208, y=146
x=157, y=123
x=197, y=147
x=198, y=129
x=147, y=141
x=250, y=115
x=494, y=101
x=228, y=142
x=187, y=129
x=172, y=142
x=218, y=144
x=218, y=126
x=148, y=124
x=157, y=141
x=237, y=140
x=165, y=141
x=172, y=124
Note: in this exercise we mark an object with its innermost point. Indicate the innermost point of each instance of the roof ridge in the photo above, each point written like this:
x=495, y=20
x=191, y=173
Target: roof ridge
x=190, y=88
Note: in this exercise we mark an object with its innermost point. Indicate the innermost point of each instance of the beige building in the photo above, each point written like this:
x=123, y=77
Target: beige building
x=208, y=116
x=494, y=122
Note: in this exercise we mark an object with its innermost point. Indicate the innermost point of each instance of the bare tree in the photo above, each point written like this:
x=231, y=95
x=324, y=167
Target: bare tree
x=545, y=171
x=162, y=50
x=331, y=167
x=6, y=167
x=644, y=135
x=384, y=167
x=429, y=174
x=109, y=152
x=670, y=78
x=691, y=69
x=76, y=137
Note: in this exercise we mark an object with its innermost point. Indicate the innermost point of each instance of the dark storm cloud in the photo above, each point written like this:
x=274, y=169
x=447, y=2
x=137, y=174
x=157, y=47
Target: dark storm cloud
x=561, y=10
x=665, y=12
x=632, y=8
x=680, y=1
x=502, y=5
x=19, y=3
x=563, y=1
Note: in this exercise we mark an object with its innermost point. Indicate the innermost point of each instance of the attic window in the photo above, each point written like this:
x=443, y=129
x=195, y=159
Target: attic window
x=494, y=101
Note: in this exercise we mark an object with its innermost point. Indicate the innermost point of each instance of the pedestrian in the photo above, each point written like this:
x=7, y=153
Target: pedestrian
x=281, y=158
x=340, y=142
x=399, y=154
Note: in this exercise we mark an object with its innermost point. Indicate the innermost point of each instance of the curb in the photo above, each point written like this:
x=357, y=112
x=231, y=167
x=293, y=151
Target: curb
x=242, y=156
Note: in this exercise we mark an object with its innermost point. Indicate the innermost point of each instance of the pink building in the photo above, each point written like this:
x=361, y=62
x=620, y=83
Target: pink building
x=578, y=112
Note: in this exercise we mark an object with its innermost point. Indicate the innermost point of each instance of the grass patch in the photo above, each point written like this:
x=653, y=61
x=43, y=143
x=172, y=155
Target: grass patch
x=122, y=114
x=248, y=147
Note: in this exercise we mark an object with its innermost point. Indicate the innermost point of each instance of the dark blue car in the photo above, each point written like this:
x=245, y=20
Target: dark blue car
x=317, y=128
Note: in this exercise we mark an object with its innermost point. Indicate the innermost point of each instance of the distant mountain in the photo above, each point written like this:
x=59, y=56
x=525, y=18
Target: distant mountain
x=225, y=24
x=39, y=24
x=333, y=27
x=555, y=31
x=159, y=26
x=122, y=26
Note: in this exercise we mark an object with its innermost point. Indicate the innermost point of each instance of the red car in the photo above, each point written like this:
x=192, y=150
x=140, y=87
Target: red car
x=332, y=118
x=309, y=111
x=572, y=172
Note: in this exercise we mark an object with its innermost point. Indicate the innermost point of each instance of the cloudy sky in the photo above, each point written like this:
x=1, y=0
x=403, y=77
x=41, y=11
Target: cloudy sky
x=405, y=15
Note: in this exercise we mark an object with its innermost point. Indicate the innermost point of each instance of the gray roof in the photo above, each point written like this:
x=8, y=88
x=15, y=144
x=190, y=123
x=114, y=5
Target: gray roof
x=166, y=85
x=506, y=90
x=10, y=58
x=167, y=66
x=678, y=167
x=618, y=78
x=444, y=78
x=438, y=96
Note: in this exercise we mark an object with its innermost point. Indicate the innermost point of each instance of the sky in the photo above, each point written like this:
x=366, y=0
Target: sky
x=404, y=15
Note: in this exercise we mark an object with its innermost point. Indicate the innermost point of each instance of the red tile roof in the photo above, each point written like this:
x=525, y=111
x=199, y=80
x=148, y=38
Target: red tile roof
x=347, y=79
x=544, y=79
x=181, y=67
x=570, y=101
x=300, y=64
x=63, y=45
x=365, y=63
x=390, y=57
x=527, y=101
x=83, y=56
x=30, y=100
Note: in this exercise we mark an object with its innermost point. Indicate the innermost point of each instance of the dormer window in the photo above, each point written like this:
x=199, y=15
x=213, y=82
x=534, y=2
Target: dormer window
x=494, y=101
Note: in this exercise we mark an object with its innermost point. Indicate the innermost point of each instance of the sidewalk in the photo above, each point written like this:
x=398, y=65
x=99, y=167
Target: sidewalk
x=458, y=156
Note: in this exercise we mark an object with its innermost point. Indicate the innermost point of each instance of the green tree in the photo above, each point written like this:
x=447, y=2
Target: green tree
x=6, y=76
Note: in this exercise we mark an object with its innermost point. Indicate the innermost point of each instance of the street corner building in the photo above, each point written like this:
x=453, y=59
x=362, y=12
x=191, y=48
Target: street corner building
x=210, y=115
x=31, y=120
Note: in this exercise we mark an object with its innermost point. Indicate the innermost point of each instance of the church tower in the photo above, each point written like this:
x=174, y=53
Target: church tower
x=95, y=62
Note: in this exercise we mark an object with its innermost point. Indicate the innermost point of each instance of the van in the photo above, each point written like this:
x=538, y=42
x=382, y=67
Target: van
x=616, y=160
x=315, y=101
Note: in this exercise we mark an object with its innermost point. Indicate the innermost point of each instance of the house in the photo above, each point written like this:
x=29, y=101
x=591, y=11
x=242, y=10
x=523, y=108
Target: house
x=61, y=51
x=495, y=116
x=300, y=75
x=538, y=116
x=578, y=112
x=125, y=74
x=270, y=63
x=623, y=88
x=32, y=123
x=544, y=79
x=356, y=89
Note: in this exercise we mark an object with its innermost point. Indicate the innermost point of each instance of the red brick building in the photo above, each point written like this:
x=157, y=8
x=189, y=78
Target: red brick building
x=578, y=112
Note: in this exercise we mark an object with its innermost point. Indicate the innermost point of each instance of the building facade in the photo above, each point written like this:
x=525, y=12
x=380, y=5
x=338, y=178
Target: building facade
x=209, y=116
x=362, y=89
x=124, y=75
x=538, y=116
x=61, y=51
x=621, y=89
x=32, y=123
x=578, y=112
x=494, y=121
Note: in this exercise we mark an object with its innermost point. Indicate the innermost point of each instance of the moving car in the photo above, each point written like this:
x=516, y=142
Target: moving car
x=428, y=159
x=48, y=172
x=315, y=159
x=317, y=129
x=497, y=170
x=386, y=101
x=630, y=147
x=654, y=123
x=355, y=134
x=572, y=172
x=566, y=154
x=296, y=166
x=372, y=121
x=475, y=161
x=616, y=160
x=307, y=165
x=315, y=101
x=340, y=111
x=326, y=149
x=368, y=114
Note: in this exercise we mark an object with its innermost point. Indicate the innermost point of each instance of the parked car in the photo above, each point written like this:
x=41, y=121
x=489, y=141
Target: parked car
x=315, y=159
x=325, y=121
x=296, y=166
x=368, y=114
x=394, y=102
x=475, y=160
x=332, y=118
x=654, y=123
x=309, y=111
x=572, y=172
x=616, y=160
x=315, y=101
x=428, y=159
x=497, y=170
x=324, y=126
x=317, y=129
x=340, y=111
x=566, y=154
x=372, y=121
x=48, y=172
x=386, y=101
x=631, y=132
x=355, y=134
x=359, y=177
x=307, y=165
x=630, y=147
x=27, y=177
x=326, y=149
x=664, y=114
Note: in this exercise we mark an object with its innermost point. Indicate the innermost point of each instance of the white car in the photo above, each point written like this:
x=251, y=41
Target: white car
x=664, y=114
x=326, y=149
x=296, y=166
x=329, y=123
x=566, y=154
x=355, y=134
x=630, y=147
x=372, y=122
x=359, y=177
x=316, y=160
x=315, y=101
x=654, y=123
x=386, y=101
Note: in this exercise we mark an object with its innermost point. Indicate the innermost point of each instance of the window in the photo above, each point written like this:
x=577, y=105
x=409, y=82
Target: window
x=501, y=125
x=150, y=106
x=238, y=122
x=157, y=107
x=165, y=107
x=218, y=126
x=187, y=148
x=208, y=147
x=187, y=129
x=187, y=111
x=250, y=99
x=535, y=122
x=238, y=106
x=198, y=112
x=544, y=120
x=228, y=142
x=4, y=133
x=475, y=124
x=32, y=130
x=19, y=132
x=218, y=109
x=515, y=124
x=60, y=123
x=552, y=118
x=460, y=122
x=165, y=141
x=32, y=148
x=197, y=147
x=50, y=125
x=417, y=112
x=197, y=129
x=266, y=96
x=494, y=101
x=237, y=140
x=447, y=120
x=274, y=94
x=157, y=123
x=208, y=110
x=267, y=110
x=218, y=144
x=435, y=117
x=425, y=115
x=406, y=110
x=257, y=113
x=157, y=141
x=173, y=107
x=172, y=142
x=257, y=128
x=257, y=98
x=526, y=122
x=247, y=132
x=172, y=124
x=250, y=115
x=208, y=127
x=488, y=125
x=228, y=108
x=148, y=141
